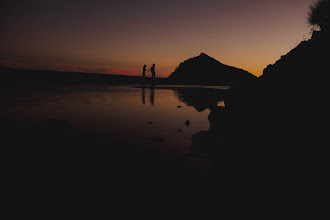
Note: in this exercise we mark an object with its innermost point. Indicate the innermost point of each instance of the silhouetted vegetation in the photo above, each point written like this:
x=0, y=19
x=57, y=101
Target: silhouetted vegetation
x=318, y=14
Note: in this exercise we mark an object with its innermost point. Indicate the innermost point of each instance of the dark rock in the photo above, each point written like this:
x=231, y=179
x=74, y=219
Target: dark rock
x=219, y=119
x=200, y=144
x=179, y=130
x=179, y=106
x=187, y=123
x=149, y=122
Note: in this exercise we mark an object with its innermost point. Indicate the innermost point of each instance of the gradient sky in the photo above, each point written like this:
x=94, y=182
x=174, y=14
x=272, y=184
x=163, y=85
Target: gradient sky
x=119, y=37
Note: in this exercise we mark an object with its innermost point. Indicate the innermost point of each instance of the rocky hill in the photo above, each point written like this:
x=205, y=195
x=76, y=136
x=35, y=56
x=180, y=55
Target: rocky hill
x=205, y=70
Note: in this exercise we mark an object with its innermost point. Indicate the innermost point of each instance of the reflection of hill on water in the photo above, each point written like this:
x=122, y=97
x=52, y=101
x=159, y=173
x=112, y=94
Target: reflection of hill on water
x=200, y=98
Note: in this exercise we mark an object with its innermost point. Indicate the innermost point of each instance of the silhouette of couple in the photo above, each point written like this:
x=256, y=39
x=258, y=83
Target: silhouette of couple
x=152, y=70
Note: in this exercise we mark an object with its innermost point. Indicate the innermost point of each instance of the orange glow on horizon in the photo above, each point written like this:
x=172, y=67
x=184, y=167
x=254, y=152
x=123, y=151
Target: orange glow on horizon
x=161, y=71
x=116, y=39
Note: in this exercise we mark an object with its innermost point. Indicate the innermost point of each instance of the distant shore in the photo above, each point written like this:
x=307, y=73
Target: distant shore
x=13, y=76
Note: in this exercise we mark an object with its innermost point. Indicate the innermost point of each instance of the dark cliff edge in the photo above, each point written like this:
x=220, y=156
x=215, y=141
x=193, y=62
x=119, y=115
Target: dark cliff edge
x=205, y=70
x=290, y=86
x=273, y=127
x=305, y=63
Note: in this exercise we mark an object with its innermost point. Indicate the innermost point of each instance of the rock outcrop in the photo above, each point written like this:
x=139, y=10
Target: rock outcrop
x=303, y=64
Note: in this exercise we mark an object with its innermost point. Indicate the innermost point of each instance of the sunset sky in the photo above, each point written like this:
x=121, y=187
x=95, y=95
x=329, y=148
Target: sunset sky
x=119, y=37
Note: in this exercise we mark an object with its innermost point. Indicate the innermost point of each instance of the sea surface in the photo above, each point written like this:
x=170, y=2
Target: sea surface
x=163, y=118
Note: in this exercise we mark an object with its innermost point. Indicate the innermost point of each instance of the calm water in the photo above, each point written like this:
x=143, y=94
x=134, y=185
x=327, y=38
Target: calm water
x=151, y=116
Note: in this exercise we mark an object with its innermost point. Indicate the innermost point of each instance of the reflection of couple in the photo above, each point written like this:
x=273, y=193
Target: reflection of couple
x=152, y=95
x=152, y=70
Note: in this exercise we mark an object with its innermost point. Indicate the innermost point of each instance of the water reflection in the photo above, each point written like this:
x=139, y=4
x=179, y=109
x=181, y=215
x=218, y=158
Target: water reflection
x=200, y=98
x=205, y=141
x=116, y=113
x=143, y=95
x=152, y=94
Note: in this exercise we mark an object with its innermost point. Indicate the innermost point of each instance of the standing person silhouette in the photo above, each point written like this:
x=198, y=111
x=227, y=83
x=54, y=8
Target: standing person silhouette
x=144, y=72
x=152, y=70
